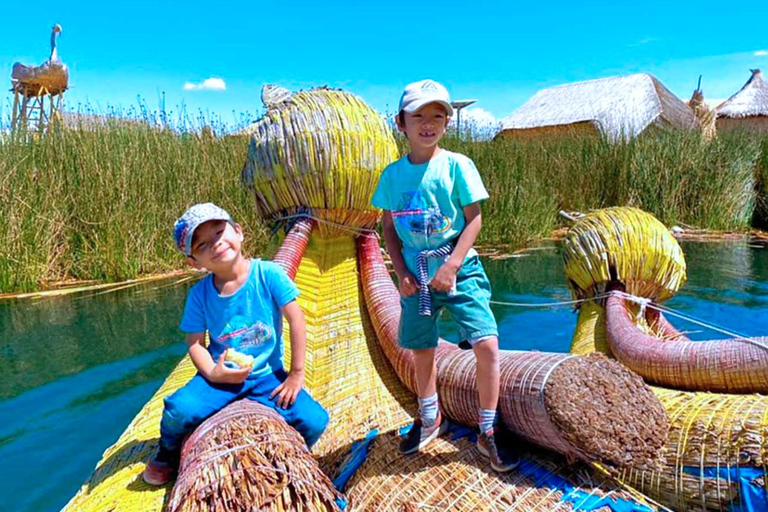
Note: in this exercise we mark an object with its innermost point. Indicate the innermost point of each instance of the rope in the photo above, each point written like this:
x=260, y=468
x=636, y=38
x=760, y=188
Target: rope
x=342, y=227
x=549, y=304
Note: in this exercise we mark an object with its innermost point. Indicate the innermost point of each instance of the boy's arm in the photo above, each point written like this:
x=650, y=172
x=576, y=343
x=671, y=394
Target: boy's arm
x=407, y=281
x=288, y=391
x=213, y=372
x=446, y=274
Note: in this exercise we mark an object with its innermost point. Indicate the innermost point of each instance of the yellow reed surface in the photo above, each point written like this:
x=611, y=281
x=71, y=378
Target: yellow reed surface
x=116, y=483
x=625, y=244
x=453, y=475
x=320, y=149
x=706, y=430
x=346, y=370
x=590, y=335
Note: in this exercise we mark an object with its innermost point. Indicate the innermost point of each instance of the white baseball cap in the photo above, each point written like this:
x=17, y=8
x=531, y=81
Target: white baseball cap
x=418, y=94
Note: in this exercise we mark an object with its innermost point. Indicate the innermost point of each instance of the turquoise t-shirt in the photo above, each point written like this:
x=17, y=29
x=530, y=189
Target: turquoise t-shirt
x=249, y=320
x=427, y=202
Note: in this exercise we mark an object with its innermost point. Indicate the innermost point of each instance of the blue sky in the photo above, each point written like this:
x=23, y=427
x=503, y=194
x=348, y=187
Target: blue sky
x=500, y=53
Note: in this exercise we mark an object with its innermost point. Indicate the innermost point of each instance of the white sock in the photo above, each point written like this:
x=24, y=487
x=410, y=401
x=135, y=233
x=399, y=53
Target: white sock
x=486, y=419
x=428, y=409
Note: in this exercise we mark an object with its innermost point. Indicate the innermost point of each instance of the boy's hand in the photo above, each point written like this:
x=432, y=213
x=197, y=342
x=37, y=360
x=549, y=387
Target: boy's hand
x=445, y=278
x=222, y=374
x=408, y=285
x=289, y=389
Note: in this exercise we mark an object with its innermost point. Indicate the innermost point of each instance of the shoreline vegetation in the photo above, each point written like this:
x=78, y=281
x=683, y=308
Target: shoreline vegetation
x=97, y=204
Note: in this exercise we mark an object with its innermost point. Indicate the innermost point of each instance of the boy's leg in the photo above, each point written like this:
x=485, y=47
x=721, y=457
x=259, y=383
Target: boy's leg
x=470, y=307
x=184, y=410
x=419, y=334
x=486, y=352
x=306, y=415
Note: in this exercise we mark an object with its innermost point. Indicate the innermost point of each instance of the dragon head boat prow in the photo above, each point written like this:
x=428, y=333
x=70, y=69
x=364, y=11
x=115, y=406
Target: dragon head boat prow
x=623, y=263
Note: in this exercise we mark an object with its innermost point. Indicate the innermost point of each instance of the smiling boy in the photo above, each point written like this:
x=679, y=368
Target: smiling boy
x=431, y=201
x=240, y=304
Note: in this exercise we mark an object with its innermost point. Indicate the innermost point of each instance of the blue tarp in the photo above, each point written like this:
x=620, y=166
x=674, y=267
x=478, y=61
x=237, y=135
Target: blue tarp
x=752, y=495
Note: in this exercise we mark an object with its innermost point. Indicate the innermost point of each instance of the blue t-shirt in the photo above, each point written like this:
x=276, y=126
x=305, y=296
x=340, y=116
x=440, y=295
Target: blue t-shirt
x=249, y=320
x=427, y=202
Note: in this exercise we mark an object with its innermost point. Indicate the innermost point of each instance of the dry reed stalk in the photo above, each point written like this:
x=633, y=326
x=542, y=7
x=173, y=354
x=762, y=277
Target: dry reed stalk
x=247, y=458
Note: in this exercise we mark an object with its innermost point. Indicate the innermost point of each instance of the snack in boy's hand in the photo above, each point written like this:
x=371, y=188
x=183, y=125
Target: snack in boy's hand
x=240, y=359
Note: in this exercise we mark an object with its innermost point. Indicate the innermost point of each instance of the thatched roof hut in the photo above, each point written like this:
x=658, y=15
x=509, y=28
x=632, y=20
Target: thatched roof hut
x=748, y=108
x=617, y=107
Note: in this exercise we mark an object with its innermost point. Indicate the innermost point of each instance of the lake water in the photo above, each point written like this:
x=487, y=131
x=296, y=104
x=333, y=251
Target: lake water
x=77, y=369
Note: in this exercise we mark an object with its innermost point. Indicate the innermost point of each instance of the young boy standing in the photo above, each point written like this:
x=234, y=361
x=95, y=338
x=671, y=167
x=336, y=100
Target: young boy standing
x=240, y=304
x=431, y=201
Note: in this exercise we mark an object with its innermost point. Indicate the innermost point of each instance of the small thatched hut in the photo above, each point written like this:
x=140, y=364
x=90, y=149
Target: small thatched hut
x=747, y=109
x=618, y=107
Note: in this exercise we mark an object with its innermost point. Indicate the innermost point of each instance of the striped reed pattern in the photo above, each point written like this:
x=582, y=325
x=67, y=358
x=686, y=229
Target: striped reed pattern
x=321, y=149
x=729, y=366
x=623, y=244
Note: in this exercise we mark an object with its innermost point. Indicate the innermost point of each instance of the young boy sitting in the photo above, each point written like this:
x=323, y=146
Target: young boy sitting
x=241, y=304
x=431, y=201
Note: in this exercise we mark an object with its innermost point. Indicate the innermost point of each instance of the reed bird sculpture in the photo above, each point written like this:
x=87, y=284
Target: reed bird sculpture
x=39, y=90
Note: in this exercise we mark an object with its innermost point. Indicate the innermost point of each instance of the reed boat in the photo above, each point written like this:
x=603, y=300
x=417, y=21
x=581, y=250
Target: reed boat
x=313, y=163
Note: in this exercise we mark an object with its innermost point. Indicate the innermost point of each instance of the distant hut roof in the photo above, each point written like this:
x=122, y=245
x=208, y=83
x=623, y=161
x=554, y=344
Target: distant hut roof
x=751, y=100
x=621, y=106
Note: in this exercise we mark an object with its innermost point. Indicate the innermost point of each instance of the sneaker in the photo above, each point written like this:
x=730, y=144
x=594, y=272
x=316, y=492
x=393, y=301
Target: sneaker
x=501, y=460
x=419, y=436
x=158, y=473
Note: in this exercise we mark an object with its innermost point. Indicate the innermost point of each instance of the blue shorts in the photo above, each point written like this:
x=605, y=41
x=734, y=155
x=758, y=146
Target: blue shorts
x=470, y=307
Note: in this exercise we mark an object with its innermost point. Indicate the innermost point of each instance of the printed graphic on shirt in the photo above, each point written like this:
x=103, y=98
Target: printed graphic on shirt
x=417, y=216
x=240, y=333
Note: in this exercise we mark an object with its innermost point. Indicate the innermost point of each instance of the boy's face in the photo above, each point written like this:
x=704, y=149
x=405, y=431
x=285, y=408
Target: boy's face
x=216, y=244
x=425, y=127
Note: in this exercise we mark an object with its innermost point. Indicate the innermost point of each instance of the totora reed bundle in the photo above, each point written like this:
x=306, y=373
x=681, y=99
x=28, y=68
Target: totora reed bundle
x=623, y=244
x=245, y=458
x=590, y=408
x=320, y=150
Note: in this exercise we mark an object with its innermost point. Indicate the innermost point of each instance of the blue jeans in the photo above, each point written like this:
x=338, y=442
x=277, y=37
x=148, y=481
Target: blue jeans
x=192, y=404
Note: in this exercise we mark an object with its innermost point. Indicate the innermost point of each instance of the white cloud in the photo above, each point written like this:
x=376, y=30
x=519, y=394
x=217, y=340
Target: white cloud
x=209, y=84
x=761, y=53
x=478, y=117
x=477, y=121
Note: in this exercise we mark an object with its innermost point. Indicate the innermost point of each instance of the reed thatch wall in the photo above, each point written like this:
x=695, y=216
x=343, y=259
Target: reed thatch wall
x=620, y=107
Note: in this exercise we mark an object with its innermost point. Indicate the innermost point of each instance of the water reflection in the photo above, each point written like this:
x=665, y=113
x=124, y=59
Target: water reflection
x=44, y=340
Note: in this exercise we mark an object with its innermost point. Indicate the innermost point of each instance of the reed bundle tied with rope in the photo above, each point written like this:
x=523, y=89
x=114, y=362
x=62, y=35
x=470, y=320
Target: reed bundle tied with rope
x=322, y=150
x=627, y=245
x=245, y=458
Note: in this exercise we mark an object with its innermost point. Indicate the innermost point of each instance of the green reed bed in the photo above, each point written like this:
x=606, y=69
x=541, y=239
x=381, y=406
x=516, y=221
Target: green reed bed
x=99, y=203
x=760, y=219
x=676, y=176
